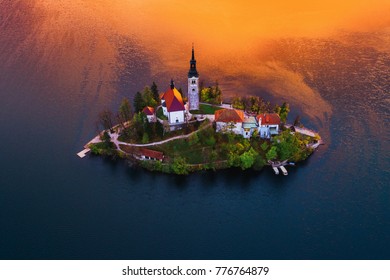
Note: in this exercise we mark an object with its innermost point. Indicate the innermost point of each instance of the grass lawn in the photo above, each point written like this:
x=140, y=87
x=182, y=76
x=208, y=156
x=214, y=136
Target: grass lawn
x=195, y=153
x=205, y=109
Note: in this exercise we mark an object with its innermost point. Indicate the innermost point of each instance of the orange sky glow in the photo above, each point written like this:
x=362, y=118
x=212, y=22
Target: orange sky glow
x=242, y=22
x=236, y=22
x=228, y=33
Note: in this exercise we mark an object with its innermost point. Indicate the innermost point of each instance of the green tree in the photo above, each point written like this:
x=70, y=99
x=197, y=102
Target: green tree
x=193, y=139
x=277, y=109
x=238, y=103
x=125, y=114
x=216, y=93
x=155, y=92
x=179, y=166
x=289, y=146
x=259, y=163
x=205, y=94
x=106, y=138
x=233, y=159
x=213, y=156
x=210, y=141
x=284, y=110
x=272, y=153
x=247, y=159
x=265, y=107
x=137, y=126
x=264, y=146
x=159, y=128
x=139, y=102
x=145, y=138
x=252, y=104
x=211, y=95
x=148, y=97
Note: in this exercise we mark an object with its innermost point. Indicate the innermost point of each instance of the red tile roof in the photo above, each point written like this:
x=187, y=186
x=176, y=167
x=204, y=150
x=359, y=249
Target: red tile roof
x=269, y=119
x=151, y=153
x=229, y=115
x=173, y=100
x=149, y=111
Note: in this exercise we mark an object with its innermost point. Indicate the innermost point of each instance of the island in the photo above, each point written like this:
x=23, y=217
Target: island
x=169, y=133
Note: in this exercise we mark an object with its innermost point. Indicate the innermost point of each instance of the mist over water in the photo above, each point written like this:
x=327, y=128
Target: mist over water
x=62, y=62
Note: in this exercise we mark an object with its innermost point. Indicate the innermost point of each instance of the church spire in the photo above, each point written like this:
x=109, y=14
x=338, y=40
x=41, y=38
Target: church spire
x=193, y=72
x=193, y=83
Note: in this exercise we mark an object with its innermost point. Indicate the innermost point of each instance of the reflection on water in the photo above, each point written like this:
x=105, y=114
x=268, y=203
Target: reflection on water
x=64, y=61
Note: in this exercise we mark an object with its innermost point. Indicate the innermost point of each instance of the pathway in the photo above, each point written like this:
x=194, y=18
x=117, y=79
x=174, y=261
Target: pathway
x=114, y=139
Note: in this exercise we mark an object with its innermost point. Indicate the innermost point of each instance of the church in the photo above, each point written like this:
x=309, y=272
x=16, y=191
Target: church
x=172, y=101
x=173, y=105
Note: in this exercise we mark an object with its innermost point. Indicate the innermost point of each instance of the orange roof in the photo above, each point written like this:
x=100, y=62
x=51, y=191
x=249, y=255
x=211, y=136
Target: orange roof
x=267, y=119
x=229, y=115
x=148, y=111
x=173, y=100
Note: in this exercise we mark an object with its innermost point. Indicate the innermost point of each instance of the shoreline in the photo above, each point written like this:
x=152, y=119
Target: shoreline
x=164, y=167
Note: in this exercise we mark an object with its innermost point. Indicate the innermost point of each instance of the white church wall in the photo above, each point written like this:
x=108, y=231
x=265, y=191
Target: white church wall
x=176, y=117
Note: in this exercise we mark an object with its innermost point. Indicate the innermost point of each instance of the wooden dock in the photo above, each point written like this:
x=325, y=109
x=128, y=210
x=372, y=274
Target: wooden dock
x=284, y=170
x=276, y=165
x=84, y=152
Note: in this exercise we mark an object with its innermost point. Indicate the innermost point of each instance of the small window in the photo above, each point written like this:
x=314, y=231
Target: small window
x=193, y=89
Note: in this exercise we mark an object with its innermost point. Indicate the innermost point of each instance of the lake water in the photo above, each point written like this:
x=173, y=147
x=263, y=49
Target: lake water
x=54, y=79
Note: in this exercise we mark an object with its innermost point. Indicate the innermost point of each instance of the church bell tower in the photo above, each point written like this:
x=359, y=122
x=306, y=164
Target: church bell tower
x=193, y=84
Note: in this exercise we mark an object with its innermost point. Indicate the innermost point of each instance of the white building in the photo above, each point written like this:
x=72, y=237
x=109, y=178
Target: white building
x=173, y=105
x=229, y=120
x=249, y=126
x=147, y=154
x=268, y=125
x=150, y=114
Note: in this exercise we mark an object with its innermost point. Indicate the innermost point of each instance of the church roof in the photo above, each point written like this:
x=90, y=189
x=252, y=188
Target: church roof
x=173, y=100
x=149, y=111
x=269, y=119
x=229, y=115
